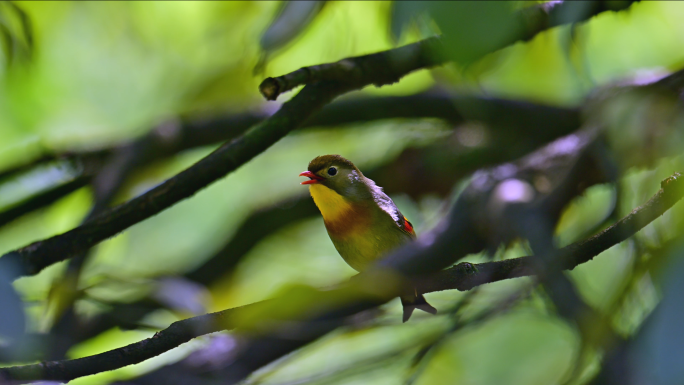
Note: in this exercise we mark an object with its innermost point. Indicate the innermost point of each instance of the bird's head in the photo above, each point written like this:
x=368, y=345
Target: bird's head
x=335, y=173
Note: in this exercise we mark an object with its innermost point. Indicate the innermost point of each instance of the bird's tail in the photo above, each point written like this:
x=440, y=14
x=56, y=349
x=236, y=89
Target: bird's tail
x=412, y=302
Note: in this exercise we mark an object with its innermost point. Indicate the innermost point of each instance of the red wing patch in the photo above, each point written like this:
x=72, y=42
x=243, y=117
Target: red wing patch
x=408, y=226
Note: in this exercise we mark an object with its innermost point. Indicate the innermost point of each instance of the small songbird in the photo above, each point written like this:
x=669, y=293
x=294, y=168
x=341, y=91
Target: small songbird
x=362, y=221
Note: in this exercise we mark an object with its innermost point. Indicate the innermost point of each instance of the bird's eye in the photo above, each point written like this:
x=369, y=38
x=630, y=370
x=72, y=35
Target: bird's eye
x=332, y=171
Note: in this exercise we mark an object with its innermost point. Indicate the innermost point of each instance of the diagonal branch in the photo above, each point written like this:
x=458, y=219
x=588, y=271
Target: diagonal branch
x=463, y=276
x=380, y=68
x=466, y=276
x=178, y=333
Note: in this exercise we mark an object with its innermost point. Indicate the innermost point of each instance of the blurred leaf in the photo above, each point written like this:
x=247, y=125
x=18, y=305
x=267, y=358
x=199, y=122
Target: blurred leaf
x=294, y=302
x=353, y=350
x=472, y=29
x=72, y=98
x=585, y=213
x=365, y=25
x=600, y=279
x=642, y=125
x=403, y=13
x=16, y=33
x=292, y=19
x=518, y=348
x=647, y=36
x=538, y=70
x=408, y=13
x=62, y=295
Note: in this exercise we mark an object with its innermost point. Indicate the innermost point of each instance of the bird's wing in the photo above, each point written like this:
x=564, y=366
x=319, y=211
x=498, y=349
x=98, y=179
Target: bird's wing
x=385, y=203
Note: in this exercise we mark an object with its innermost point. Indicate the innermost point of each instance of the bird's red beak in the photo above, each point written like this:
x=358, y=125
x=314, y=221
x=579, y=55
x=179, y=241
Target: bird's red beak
x=313, y=178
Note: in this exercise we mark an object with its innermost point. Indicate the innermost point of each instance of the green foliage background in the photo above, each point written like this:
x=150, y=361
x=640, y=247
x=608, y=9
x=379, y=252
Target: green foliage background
x=107, y=72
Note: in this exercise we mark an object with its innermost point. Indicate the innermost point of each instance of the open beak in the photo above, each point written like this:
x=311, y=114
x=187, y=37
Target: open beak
x=313, y=178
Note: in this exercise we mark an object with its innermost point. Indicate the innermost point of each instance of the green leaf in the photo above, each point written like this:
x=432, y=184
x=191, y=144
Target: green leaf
x=471, y=29
x=292, y=19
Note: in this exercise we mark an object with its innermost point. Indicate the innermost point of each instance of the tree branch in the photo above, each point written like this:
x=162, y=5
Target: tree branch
x=205, y=132
x=391, y=61
x=178, y=333
x=530, y=21
x=466, y=276
x=380, y=68
x=463, y=276
x=538, y=123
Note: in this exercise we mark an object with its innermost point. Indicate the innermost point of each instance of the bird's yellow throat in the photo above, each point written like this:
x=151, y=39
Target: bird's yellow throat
x=333, y=206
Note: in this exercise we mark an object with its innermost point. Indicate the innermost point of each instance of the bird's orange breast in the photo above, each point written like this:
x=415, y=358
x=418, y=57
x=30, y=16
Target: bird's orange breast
x=342, y=217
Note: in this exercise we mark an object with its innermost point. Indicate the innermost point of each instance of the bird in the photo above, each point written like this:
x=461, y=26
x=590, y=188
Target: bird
x=363, y=222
